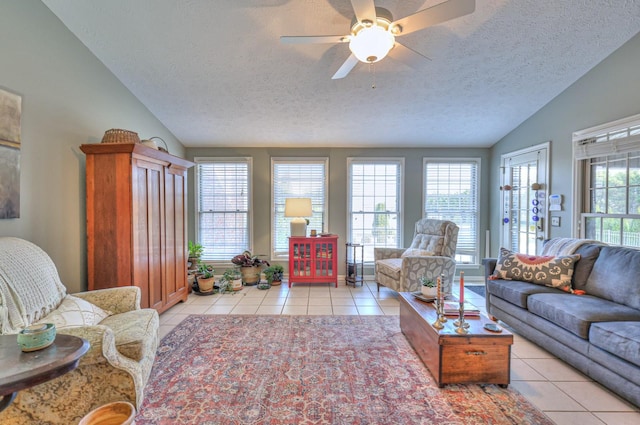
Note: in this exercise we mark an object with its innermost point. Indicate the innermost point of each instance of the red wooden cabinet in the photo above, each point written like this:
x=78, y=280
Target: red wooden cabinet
x=313, y=260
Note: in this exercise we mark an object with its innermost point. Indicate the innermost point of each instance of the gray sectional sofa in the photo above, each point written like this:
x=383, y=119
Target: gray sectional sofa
x=598, y=333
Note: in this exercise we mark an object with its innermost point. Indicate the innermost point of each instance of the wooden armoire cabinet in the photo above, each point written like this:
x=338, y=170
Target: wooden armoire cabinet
x=136, y=221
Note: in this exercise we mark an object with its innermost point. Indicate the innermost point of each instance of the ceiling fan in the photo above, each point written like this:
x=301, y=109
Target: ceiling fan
x=373, y=32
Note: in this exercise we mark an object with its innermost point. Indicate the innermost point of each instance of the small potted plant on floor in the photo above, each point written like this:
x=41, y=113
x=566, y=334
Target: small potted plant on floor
x=195, y=252
x=232, y=279
x=429, y=287
x=250, y=267
x=274, y=274
x=205, y=278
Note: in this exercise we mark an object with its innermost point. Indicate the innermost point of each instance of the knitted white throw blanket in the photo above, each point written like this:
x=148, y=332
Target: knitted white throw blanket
x=565, y=246
x=29, y=285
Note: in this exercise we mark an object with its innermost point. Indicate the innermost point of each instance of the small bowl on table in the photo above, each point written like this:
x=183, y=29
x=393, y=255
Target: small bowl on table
x=37, y=337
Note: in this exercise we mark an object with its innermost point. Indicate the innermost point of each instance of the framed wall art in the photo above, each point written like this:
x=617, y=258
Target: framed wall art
x=10, y=143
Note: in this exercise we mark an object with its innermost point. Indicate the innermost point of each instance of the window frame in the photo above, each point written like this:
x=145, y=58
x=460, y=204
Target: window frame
x=207, y=159
x=478, y=187
x=278, y=255
x=400, y=161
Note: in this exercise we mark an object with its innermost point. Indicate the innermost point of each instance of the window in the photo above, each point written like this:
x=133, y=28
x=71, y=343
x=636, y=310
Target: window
x=375, y=188
x=608, y=170
x=223, y=203
x=297, y=178
x=451, y=193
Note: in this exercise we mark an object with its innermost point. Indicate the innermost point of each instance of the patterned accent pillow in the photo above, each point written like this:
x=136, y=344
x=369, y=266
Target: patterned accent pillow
x=545, y=270
x=414, y=252
x=75, y=312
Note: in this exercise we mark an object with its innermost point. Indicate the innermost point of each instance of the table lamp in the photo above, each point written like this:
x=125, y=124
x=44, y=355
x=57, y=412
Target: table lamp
x=298, y=208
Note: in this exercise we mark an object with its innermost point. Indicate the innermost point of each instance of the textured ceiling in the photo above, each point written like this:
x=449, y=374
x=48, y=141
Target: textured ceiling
x=216, y=74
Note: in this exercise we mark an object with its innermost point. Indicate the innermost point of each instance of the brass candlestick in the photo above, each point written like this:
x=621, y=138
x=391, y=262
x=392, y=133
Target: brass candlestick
x=438, y=304
x=438, y=324
x=443, y=318
x=461, y=324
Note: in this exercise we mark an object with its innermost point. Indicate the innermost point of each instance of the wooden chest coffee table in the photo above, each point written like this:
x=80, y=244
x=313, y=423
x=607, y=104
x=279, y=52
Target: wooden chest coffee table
x=478, y=357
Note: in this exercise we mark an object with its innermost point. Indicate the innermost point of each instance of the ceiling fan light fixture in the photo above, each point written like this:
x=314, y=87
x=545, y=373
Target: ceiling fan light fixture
x=371, y=44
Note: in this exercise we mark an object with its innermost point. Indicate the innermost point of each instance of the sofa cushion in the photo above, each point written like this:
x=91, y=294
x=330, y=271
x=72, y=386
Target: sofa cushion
x=550, y=271
x=615, y=276
x=135, y=332
x=619, y=338
x=576, y=313
x=588, y=256
x=390, y=267
x=74, y=312
x=515, y=291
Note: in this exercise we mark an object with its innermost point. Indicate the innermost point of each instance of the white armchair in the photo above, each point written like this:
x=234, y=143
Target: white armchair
x=431, y=254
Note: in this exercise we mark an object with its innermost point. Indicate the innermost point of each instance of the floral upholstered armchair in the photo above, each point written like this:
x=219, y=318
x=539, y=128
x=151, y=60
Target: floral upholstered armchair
x=431, y=254
x=123, y=337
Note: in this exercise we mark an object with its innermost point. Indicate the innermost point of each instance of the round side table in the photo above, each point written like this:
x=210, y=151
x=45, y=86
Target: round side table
x=24, y=370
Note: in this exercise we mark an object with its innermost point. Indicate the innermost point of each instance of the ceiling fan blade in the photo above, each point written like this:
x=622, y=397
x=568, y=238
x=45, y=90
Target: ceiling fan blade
x=407, y=55
x=435, y=15
x=314, y=39
x=364, y=9
x=346, y=67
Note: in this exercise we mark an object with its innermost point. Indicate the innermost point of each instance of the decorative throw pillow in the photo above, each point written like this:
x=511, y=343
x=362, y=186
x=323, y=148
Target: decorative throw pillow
x=545, y=270
x=414, y=252
x=75, y=312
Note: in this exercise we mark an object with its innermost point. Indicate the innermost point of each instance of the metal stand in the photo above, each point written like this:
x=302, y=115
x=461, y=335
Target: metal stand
x=355, y=264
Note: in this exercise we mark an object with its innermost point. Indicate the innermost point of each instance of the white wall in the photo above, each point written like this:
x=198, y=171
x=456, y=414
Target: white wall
x=608, y=92
x=68, y=98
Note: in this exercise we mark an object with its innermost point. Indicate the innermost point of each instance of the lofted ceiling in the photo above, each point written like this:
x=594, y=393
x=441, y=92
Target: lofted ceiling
x=215, y=73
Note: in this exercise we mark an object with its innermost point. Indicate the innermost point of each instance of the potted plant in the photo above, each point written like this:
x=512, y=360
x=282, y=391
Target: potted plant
x=195, y=252
x=250, y=267
x=205, y=278
x=232, y=279
x=274, y=274
x=429, y=287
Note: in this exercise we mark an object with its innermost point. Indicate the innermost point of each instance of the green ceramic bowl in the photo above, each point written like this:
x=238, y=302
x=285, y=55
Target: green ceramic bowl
x=37, y=337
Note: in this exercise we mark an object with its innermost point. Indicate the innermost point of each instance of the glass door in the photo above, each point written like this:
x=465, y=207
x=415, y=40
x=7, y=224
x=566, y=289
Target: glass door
x=524, y=194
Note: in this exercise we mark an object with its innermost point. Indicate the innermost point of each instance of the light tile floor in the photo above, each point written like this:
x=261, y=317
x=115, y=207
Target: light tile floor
x=564, y=394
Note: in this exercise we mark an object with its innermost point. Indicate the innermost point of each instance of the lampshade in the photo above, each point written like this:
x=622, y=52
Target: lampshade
x=371, y=44
x=297, y=207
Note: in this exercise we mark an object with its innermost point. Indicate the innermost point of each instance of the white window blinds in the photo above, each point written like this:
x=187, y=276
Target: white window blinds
x=223, y=199
x=618, y=137
x=375, y=189
x=297, y=178
x=451, y=193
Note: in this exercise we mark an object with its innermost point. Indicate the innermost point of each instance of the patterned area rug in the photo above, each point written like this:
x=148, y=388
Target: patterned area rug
x=310, y=370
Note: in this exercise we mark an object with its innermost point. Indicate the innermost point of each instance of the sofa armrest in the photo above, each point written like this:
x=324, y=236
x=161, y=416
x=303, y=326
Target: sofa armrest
x=116, y=300
x=489, y=266
x=384, y=253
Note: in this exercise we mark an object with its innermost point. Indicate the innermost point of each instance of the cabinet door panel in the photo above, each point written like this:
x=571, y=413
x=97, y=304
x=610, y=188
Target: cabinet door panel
x=175, y=236
x=148, y=273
